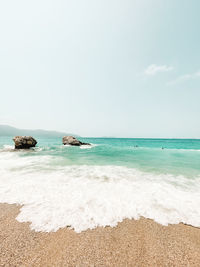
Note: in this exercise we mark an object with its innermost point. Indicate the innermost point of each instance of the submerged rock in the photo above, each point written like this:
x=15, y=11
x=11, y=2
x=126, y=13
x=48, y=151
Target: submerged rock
x=24, y=142
x=72, y=141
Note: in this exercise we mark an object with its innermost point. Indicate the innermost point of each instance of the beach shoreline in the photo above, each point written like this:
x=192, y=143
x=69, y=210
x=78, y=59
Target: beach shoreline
x=132, y=243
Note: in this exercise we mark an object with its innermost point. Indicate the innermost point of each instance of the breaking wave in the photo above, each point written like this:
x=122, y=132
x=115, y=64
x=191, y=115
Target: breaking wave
x=84, y=197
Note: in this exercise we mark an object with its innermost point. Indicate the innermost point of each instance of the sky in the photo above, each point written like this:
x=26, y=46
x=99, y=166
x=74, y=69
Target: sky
x=123, y=68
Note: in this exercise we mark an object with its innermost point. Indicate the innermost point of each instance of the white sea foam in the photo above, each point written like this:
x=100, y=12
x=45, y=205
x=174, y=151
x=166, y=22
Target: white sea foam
x=7, y=148
x=88, y=146
x=81, y=147
x=84, y=197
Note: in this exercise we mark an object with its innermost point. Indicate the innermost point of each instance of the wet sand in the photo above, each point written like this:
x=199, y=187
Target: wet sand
x=131, y=243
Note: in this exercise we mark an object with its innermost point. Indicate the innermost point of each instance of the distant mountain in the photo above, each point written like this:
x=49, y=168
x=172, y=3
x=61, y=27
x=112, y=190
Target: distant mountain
x=6, y=130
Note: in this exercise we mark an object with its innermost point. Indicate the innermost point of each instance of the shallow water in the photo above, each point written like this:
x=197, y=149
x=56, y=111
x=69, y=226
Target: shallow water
x=115, y=178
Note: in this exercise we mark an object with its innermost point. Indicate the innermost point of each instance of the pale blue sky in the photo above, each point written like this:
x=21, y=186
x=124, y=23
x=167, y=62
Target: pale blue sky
x=127, y=68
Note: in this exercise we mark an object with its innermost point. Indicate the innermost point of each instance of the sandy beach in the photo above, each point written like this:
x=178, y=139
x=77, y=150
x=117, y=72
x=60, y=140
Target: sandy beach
x=131, y=243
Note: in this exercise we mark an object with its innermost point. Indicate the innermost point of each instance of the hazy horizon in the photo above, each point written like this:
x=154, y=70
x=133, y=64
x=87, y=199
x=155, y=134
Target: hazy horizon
x=101, y=68
x=77, y=135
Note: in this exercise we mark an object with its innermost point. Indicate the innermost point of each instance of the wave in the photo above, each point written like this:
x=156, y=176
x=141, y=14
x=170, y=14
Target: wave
x=88, y=146
x=85, y=197
x=7, y=148
x=164, y=148
x=81, y=147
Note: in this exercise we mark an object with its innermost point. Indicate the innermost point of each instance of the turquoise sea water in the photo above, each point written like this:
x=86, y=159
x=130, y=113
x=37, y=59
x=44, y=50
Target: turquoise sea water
x=174, y=156
x=115, y=178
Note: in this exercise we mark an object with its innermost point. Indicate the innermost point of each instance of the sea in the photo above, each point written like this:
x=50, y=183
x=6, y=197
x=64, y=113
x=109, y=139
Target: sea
x=101, y=185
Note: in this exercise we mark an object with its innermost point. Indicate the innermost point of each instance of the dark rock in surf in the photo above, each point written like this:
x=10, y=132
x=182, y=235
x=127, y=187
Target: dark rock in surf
x=72, y=141
x=24, y=142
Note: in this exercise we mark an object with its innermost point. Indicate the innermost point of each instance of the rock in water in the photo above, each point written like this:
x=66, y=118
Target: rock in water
x=24, y=142
x=72, y=141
